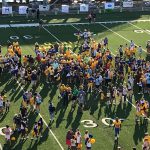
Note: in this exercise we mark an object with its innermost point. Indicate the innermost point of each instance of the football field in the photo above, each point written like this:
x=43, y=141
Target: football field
x=96, y=116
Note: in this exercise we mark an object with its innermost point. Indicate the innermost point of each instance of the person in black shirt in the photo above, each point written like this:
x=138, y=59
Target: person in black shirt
x=27, y=12
x=51, y=109
x=40, y=24
x=40, y=126
x=93, y=16
x=37, y=14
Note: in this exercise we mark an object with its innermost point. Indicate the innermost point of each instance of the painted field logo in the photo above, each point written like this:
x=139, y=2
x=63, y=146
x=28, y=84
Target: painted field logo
x=109, y=121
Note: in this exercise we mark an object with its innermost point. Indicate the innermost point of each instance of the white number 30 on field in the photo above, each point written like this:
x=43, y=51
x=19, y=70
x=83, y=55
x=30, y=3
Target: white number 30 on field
x=89, y=124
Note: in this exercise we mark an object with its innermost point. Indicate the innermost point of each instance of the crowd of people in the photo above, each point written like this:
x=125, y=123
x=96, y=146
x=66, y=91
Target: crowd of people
x=74, y=140
x=93, y=69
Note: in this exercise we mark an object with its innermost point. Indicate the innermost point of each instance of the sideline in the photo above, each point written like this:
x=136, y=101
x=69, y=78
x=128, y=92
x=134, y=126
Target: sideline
x=61, y=24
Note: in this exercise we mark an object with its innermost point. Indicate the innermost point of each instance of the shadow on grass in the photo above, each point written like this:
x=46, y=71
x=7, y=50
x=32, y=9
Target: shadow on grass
x=69, y=118
x=77, y=119
x=139, y=131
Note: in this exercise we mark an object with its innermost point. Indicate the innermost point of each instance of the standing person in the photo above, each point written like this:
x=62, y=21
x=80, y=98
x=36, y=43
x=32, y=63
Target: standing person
x=27, y=13
x=81, y=100
x=117, y=126
x=93, y=16
x=124, y=93
x=37, y=14
x=69, y=136
x=120, y=49
x=140, y=51
x=90, y=17
x=0, y=49
x=35, y=130
x=78, y=139
x=86, y=136
x=40, y=24
x=146, y=142
x=7, y=105
x=88, y=144
x=38, y=102
x=106, y=42
x=73, y=143
x=51, y=111
x=7, y=132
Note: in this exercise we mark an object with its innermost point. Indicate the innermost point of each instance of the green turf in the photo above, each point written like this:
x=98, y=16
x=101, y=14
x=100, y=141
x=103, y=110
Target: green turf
x=130, y=136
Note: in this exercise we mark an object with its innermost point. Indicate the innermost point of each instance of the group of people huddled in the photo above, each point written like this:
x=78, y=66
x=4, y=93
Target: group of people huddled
x=74, y=140
x=93, y=69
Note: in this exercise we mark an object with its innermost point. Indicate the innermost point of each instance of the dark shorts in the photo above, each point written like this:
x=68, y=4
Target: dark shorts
x=97, y=86
x=88, y=148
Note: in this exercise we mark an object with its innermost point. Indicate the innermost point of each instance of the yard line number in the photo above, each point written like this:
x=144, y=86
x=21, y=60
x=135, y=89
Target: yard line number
x=89, y=124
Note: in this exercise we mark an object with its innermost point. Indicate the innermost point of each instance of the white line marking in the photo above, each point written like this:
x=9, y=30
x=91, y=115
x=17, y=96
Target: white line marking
x=131, y=103
x=52, y=132
x=118, y=34
x=139, y=28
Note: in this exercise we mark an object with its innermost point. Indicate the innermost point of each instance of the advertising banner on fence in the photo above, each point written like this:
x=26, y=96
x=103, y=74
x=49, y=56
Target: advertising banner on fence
x=109, y=5
x=84, y=7
x=6, y=10
x=43, y=7
x=128, y=4
x=65, y=8
x=22, y=9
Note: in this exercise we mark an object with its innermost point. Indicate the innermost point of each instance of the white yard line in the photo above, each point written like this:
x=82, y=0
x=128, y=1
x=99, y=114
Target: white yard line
x=118, y=34
x=114, y=55
x=139, y=28
x=51, y=34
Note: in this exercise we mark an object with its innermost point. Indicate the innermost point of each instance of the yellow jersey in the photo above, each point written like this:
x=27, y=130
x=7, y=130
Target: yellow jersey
x=117, y=124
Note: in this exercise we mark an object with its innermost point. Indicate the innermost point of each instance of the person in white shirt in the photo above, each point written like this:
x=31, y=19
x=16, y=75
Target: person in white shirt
x=85, y=34
x=88, y=144
x=131, y=44
x=7, y=132
x=73, y=143
x=78, y=138
x=124, y=93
